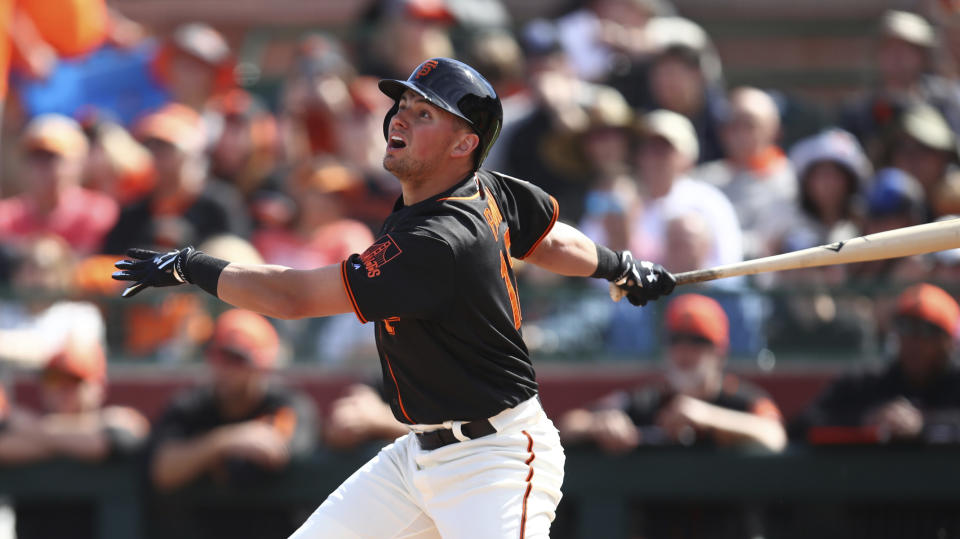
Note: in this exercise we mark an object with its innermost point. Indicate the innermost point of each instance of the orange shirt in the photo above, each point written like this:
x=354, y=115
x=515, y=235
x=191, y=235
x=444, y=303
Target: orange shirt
x=6, y=19
x=72, y=27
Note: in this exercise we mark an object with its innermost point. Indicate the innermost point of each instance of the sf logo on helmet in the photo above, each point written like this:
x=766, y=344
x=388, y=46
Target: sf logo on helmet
x=427, y=67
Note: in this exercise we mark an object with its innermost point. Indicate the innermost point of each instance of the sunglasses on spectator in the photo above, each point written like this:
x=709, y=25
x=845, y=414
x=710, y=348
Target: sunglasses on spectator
x=54, y=378
x=906, y=325
x=688, y=338
x=231, y=357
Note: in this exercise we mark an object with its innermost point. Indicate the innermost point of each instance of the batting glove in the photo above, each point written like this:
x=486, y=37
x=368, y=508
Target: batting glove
x=150, y=268
x=641, y=281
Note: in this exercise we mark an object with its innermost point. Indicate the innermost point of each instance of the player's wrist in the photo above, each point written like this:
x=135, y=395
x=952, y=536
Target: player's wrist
x=608, y=264
x=199, y=268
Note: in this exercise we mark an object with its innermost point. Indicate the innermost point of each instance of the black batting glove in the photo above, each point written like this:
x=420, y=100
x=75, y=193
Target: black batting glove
x=151, y=268
x=640, y=281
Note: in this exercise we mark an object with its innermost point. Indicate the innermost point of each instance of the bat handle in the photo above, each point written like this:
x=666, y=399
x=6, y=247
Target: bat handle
x=696, y=276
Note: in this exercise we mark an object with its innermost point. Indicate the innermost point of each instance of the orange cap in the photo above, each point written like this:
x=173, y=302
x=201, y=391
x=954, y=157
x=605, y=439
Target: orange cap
x=693, y=314
x=930, y=303
x=176, y=124
x=57, y=134
x=85, y=361
x=4, y=404
x=247, y=335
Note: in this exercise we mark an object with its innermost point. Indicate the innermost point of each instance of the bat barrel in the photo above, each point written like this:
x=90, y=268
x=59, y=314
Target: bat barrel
x=908, y=241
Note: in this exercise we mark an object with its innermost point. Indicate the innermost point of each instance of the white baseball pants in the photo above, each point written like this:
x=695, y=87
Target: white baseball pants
x=505, y=485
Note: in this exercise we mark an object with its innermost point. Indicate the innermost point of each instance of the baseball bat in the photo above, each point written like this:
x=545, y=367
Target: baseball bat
x=907, y=241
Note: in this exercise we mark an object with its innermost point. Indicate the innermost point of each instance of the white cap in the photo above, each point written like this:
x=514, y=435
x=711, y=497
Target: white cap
x=925, y=124
x=909, y=27
x=835, y=146
x=674, y=127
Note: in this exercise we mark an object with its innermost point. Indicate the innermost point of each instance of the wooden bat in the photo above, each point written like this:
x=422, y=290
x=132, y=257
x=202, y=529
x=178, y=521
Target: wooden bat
x=907, y=241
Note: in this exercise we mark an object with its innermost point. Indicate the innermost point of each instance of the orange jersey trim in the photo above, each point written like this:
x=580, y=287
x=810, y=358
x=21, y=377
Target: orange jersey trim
x=349, y=291
x=471, y=197
x=395, y=384
x=553, y=221
x=526, y=494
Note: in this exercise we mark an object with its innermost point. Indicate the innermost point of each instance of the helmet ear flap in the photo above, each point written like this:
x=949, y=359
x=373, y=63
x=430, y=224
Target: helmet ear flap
x=386, y=119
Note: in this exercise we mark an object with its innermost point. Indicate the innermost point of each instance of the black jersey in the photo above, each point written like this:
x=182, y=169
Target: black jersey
x=439, y=284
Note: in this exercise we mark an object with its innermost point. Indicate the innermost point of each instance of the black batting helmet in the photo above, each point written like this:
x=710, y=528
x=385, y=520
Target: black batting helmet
x=456, y=88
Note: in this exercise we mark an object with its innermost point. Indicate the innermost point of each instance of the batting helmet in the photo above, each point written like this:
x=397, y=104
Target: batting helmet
x=456, y=88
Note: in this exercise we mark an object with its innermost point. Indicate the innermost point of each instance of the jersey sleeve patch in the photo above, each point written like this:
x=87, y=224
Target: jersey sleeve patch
x=381, y=283
x=379, y=254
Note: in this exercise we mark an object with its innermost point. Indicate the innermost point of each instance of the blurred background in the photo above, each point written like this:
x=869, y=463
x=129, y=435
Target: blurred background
x=253, y=131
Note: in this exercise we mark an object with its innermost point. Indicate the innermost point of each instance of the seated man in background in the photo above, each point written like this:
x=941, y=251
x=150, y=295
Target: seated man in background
x=74, y=424
x=361, y=416
x=238, y=430
x=916, y=397
x=698, y=403
x=52, y=154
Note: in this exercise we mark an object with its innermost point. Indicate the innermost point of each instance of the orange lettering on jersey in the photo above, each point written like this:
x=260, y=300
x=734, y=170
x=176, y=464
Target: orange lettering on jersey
x=388, y=324
x=493, y=216
x=378, y=254
x=511, y=290
x=506, y=246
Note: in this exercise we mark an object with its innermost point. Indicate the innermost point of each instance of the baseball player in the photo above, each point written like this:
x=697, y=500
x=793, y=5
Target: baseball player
x=481, y=460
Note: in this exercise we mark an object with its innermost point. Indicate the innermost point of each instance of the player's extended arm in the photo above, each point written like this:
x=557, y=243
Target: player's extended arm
x=276, y=291
x=283, y=292
x=567, y=251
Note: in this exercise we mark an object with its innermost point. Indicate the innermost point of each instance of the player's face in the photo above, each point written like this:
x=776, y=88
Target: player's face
x=420, y=136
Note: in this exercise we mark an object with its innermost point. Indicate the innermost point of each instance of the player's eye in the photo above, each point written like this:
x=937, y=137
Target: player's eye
x=425, y=114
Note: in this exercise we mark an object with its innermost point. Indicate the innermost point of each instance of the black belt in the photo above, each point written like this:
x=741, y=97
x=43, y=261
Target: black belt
x=441, y=437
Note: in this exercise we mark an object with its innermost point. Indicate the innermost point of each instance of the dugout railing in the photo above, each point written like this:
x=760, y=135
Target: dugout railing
x=889, y=491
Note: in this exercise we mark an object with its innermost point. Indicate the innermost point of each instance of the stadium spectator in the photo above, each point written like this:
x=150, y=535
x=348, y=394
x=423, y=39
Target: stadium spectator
x=195, y=64
x=683, y=76
x=561, y=109
x=756, y=175
x=117, y=164
x=405, y=32
x=316, y=98
x=360, y=416
x=915, y=397
x=667, y=149
x=53, y=150
x=697, y=404
x=832, y=169
x=893, y=200
x=238, y=430
x=924, y=146
x=904, y=59
x=45, y=319
x=187, y=206
x=74, y=423
x=321, y=234
x=598, y=149
x=604, y=35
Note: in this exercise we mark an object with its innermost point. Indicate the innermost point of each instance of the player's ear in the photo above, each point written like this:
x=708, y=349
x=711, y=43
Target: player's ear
x=466, y=143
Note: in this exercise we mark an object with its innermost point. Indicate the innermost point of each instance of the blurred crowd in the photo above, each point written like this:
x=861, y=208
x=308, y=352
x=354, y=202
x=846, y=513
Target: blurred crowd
x=619, y=108
x=118, y=137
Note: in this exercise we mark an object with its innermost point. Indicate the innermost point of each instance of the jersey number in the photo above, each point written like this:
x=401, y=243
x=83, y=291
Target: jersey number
x=511, y=290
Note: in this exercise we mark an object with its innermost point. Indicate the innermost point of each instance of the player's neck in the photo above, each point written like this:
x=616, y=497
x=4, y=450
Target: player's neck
x=419, y=189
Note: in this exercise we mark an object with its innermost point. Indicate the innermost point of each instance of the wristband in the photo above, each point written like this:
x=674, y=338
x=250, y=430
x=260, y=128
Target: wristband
x=608, y=264
x=203, y=270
